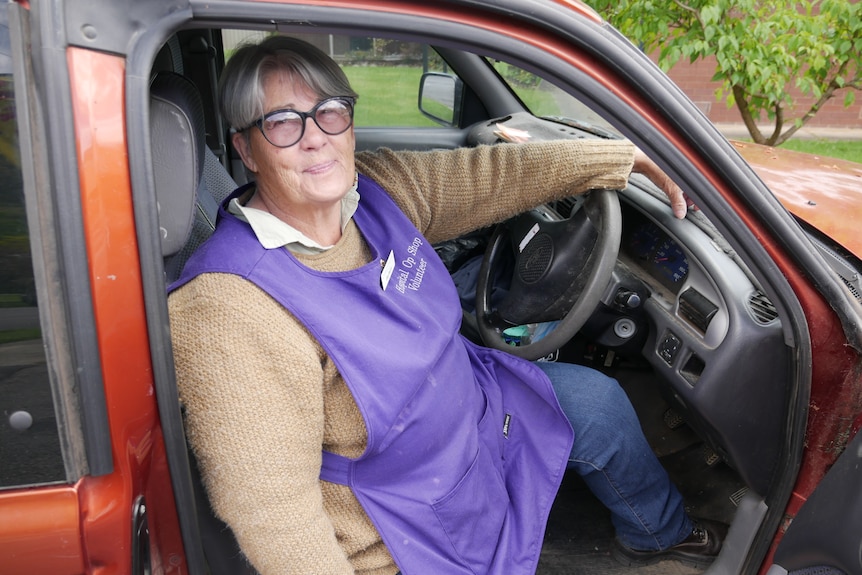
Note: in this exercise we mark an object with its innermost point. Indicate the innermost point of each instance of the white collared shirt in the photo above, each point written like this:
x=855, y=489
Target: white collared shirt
x=274, y=233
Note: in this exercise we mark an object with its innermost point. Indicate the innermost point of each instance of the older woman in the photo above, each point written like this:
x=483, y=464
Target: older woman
x=341, y=423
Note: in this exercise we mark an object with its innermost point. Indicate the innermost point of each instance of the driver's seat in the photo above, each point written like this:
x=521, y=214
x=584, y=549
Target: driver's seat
x=190, y=183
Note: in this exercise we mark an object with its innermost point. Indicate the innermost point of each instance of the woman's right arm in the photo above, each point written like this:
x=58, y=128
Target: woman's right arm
x=250, y=378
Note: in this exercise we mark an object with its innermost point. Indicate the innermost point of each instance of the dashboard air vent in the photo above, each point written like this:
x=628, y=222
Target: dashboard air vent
x=763, y=310
x=566, y=206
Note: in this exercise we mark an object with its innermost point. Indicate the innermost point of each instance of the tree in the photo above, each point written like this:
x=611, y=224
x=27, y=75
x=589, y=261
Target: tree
x=762, y=49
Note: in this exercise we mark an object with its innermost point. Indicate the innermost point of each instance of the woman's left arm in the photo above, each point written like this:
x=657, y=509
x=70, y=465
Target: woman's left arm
x=448, y=193
x=644, y=165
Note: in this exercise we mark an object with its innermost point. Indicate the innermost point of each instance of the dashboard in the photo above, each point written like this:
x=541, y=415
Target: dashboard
x=699, y=318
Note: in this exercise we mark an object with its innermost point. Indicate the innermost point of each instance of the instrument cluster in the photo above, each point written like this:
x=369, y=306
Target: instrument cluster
x=654, y=251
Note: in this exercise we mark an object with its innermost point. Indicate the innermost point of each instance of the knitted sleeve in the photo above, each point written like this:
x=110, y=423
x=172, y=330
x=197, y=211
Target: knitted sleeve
x=255, y=420
x=447, y=193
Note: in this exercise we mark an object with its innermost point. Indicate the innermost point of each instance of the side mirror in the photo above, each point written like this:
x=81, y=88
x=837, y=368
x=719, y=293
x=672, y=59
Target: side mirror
x=440, y=97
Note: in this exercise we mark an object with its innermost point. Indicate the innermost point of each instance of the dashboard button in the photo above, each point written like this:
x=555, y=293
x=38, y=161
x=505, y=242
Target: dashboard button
x=668, y=347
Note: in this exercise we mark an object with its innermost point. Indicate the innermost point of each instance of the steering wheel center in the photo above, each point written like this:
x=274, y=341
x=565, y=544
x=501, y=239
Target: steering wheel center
x=562, y=267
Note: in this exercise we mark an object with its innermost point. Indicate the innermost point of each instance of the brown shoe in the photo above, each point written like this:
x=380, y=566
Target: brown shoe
x=699, y=549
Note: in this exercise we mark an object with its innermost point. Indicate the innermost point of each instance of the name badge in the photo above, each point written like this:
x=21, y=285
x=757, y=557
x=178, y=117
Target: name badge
x=388, y=268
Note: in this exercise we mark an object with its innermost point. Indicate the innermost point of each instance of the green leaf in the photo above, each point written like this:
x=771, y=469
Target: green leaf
x=709, y=33
x=710, y=15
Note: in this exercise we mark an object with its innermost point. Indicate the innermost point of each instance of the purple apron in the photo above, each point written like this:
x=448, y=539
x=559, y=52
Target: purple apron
x=466, y=445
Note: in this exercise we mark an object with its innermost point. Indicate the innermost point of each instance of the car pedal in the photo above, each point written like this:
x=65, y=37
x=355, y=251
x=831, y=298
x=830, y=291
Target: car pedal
x=736, y=496
x=673, y=420
x=711, y=457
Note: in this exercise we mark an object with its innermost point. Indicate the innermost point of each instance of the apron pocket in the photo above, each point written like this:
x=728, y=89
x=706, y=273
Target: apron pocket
x=473, y=513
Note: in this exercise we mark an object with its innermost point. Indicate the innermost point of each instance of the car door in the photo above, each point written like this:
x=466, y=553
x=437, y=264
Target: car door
x=84, y=485
x=827, y=531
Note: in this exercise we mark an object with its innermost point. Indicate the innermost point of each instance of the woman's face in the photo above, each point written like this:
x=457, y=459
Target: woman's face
x=313, y=174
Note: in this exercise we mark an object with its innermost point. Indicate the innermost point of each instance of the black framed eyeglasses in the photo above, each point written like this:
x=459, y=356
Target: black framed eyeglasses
x=284, y=128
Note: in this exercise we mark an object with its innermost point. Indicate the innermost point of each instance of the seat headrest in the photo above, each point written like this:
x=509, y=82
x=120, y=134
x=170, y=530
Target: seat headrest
x=178, y=139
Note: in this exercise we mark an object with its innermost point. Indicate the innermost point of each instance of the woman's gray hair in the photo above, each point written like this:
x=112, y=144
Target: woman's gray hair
x=241, y=83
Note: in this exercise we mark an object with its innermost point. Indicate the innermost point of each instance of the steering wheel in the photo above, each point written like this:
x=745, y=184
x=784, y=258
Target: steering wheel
x=561, y=270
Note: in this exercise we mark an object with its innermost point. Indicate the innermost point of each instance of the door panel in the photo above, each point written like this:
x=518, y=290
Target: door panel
x=827, y=531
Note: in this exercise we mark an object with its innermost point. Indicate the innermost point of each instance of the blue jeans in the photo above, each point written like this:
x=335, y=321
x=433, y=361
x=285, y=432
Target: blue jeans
x=616, y=462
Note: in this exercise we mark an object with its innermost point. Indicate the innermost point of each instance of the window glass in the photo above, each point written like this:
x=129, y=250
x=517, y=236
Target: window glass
x=29, y=440
x=547, y=100
x=385, y=73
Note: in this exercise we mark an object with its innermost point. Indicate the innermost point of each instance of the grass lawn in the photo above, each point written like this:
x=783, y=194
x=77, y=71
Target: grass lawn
x=15, y=335
x=843, y=149
x=393, y=106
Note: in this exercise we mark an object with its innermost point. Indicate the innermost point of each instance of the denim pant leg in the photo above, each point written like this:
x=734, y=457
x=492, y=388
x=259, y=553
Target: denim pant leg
x=612, y=455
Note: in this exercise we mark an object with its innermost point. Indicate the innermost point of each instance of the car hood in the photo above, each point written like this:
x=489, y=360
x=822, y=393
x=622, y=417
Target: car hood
x=825, y=193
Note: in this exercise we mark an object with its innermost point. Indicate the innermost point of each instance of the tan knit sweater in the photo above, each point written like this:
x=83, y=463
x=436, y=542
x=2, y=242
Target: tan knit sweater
x=263, y=399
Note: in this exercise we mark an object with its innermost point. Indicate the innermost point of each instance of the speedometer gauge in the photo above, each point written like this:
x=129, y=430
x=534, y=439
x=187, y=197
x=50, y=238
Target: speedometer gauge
x=643, y=240
x=671, y=264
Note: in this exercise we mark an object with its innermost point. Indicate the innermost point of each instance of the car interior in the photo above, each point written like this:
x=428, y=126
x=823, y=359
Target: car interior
x=681, y=320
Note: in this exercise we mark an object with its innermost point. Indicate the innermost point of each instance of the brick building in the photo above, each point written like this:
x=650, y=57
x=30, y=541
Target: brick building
x=695, y=81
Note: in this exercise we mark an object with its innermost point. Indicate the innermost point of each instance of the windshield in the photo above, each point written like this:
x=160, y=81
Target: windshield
x=547, y=100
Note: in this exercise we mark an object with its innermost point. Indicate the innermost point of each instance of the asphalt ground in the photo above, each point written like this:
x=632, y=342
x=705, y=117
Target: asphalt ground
x=739, y=132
